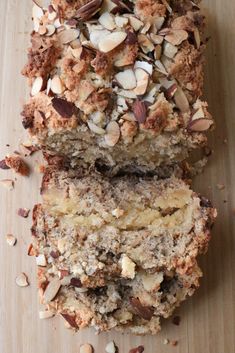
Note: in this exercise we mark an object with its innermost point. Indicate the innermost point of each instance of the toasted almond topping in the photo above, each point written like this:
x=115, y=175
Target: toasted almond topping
x=112, y=133
x=176, y=36
x=201, y=124
x=142, y=79
x=121, y=21
x=170, y=50
x=136, y=24
x=64, y=108
x=197, y=37
x=57, y=85
x=41, y=260
x=37, y=12
x=126, y=79
x=98, y=35
x=107, y=21
x=52, y=15
x=51, y=290
x=86, y=348
x=140, y=111
x=31, y=251
x=96, y=129
x=110, y=347
x=37, y=86
x=145, y=66
x=11, y=240
x=50, y=30
x=22, y=280
x=7, y=183
x=68, y=35
x=88, y=10
x=111, y=41
x=145, y=43
x=45, y=314
x=181, y=100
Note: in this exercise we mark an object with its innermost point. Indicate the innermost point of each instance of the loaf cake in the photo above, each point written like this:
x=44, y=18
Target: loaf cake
x=117, y=252
x=117, y=83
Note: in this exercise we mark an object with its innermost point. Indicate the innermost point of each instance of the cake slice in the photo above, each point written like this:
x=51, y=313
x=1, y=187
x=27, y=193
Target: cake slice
x=118, y=253
x=117, y=84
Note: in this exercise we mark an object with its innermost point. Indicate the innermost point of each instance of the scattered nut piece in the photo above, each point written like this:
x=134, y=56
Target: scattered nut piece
x=7, y=183
x=18, y=165
x=51, y=290
x=138, y=349
x=86, y=348
x=126, y=79
x=107, y=21
x=110, y=347
x=11, y=240
x=41, y=260
x=176, y=320
x=166, y=341
x=23, y=212
x=22, y=280
x=140, y=111
x=86, y=11
x=31, y=251
x=146, y=312
x=45, y=314
x=199, y=125
x=3, y=165
x=68, y=35
x=57, y=85
x=174, y=343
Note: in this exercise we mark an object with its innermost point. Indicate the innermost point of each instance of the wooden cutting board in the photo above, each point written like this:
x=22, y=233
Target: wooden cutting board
x=208, y=319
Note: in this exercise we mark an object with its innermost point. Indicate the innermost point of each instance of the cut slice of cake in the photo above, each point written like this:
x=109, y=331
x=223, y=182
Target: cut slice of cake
x=117, y=84
x=118, y=253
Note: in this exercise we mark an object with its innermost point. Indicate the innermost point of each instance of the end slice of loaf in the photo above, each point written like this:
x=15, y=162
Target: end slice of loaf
x=118, y=253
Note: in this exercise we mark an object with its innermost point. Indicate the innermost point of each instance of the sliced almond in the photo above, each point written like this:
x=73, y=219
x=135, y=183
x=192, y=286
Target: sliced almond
x=96, y=129
x=45, y=314
x=110, y=347
x=64, y=108
x=176, y=36
x=52, y=15
x=22, y=280
x=126, y=79
x=68, y=35
x=86, y=11
x=48, y=89
x=97, y=35
x=197, y=37
x=181, y=100
x=7, y=183
x=127, y=94
x=144, y=65
x=11, y=240
x=145, y=43
x=41, y=260
x=199, y=125
x=37, y=12
x=159, y=22
x=37, y=86
x=160, y=67
x=151, y=282
x=112, y=133
x=107, y=21
x=142, y=79
x=156, y=38
x=170, y=50
x=111, y=41
x=86, y=348
x=51, y=290
x=57, y=85
x=135, y=23
x=199, y=114
x=50, y=30
x=140, y=111
x=121, y=21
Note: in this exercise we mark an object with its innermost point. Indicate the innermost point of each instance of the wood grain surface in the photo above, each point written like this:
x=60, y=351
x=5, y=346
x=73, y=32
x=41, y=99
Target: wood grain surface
x=208, y=319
